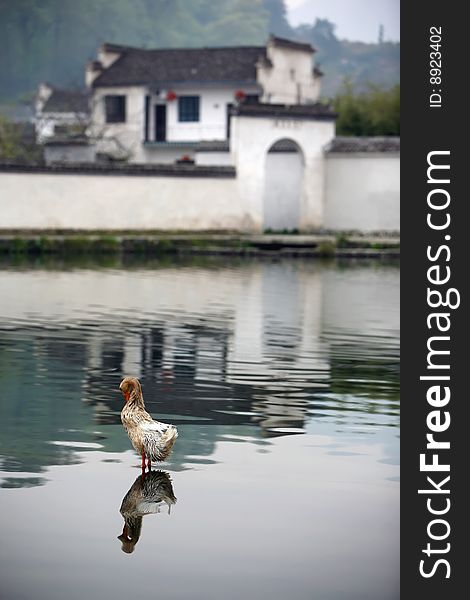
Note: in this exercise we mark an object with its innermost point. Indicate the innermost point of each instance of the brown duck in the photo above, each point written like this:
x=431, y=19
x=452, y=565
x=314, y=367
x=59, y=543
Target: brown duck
x=152, y=440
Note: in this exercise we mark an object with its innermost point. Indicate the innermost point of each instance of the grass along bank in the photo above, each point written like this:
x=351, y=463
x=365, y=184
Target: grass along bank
x=153, y=244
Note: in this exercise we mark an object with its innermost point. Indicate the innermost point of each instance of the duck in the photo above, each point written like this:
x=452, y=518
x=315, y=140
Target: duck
x=146, y=496
x=151, y=439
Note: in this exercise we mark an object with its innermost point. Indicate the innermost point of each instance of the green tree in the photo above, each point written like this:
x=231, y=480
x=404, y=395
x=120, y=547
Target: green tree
x=14, y=144
x=375, y=112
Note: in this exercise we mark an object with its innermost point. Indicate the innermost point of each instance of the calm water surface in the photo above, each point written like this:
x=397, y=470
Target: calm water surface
x=282, y=379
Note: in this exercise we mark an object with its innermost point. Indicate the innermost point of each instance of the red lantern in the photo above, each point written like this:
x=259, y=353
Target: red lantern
x=170, y=95
x=240, y=95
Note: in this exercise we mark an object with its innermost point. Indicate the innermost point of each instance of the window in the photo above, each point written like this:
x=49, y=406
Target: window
x=188, y=108
x=115, y=107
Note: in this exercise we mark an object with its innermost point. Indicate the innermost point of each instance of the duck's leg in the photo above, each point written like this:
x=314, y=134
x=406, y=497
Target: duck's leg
x=143, y=462
x=149, y=463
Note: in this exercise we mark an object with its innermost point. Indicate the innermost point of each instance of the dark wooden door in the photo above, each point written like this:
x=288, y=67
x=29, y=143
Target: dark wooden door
x=160, y=123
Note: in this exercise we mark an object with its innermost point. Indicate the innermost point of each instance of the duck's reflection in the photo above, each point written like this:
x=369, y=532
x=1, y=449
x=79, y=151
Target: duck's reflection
x=146, y=496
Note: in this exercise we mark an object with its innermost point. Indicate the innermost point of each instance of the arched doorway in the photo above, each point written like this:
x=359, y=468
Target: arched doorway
x=283, y=176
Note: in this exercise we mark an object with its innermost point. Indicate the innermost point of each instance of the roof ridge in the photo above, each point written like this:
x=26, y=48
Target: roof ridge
x=196, y=48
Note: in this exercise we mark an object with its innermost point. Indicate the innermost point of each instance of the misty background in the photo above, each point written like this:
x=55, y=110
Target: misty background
x=51, y=40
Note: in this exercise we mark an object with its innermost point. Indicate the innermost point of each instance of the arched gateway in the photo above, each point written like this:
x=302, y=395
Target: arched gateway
x=283, y=176
x=287, y=191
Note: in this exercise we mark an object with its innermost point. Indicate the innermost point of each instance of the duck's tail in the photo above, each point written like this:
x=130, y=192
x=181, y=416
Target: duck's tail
x=159, y=448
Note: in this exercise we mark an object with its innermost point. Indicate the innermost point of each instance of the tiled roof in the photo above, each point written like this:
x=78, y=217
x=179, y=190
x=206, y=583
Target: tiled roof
x=213, y=146
x=284, y=146
x=172, y=65
x=304, y=111
x=364, y=144
x=60, y=100
x=284, y=43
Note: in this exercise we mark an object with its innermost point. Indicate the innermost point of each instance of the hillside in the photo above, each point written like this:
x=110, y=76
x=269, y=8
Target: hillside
x=51, y=40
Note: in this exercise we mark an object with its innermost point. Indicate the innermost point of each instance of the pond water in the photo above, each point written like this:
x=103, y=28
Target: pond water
x=283, y=380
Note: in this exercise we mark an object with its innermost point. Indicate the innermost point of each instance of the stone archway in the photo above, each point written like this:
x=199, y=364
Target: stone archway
x=255, y=130
x=283, y=178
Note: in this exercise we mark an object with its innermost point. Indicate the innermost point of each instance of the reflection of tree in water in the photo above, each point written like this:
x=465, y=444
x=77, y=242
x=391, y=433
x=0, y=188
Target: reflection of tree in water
x=369, y=371
x=146, y=496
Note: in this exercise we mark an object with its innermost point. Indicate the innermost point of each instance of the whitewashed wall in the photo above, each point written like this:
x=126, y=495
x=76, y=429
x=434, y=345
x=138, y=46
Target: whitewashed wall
x=120, y=139
x=212, y=124
x=214, y=158
x=127, y=139
x=340, y=192
x=100, y=202
x=69, y=153
x=166, y=155
x=290, y=80
x=362, y=192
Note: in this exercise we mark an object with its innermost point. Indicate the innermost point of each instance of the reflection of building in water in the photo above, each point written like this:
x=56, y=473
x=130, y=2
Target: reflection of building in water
x=276, y=343
x=257, y=343
x=146, y=497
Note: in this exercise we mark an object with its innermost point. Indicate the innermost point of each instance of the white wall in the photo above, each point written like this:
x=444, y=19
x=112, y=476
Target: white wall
x=343, y=192
x=212, y=124
x=169, y=155
x=290, y=80
x=120, y=139
x=71, y=153
x=127, y=139
x=214, y=158
x=165, y=155
x=106, y=202
x=362, y=192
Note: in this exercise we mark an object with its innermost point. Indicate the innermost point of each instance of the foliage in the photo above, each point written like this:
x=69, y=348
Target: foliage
x=14, y=144
x=375, y=112
x=277, y=18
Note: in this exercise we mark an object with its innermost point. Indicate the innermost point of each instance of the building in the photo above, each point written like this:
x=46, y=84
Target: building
x=158, y=106
x=60, y=112
x=219, y=139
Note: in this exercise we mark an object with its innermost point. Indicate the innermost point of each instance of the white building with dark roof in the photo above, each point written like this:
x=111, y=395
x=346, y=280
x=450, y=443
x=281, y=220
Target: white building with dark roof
x=59, y=112
x=161, y=105
x=219, y=139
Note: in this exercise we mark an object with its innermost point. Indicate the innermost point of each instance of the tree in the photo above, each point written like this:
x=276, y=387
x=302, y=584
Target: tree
x=16, y=142
x=277, y=21
x=375, y=112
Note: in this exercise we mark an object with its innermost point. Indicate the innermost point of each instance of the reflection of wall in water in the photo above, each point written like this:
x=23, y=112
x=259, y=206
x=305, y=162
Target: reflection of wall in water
x=361, y=300
x=254, y=327
x=276, y=333
x=263, y=335
x=361, y=327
